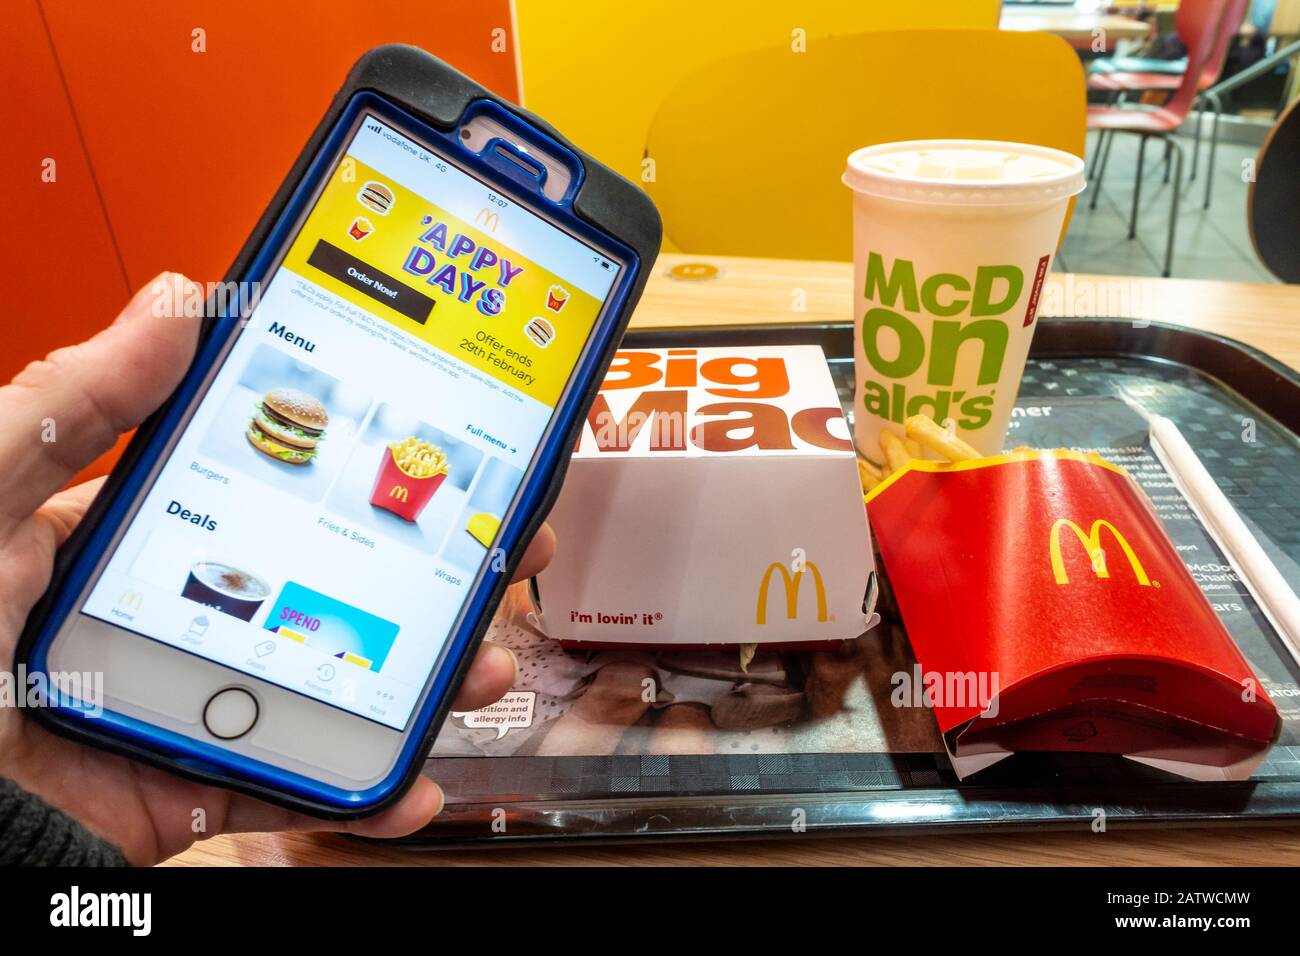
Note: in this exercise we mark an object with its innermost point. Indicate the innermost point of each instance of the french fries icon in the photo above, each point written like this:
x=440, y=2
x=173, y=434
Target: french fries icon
x=557, y=297
x=418, y=458
x=410, y=471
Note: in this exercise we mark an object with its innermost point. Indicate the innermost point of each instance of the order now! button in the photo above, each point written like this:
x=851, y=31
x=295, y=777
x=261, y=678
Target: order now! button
x=368, y=280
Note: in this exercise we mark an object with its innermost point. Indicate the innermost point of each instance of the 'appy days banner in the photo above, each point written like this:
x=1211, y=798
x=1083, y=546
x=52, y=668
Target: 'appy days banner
x=393, y=253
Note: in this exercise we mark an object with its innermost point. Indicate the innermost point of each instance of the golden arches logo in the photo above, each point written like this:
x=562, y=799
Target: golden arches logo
x=398, y=492
x=488, y=219
x=1092, y=542
x=130, y=600
x=791, y=583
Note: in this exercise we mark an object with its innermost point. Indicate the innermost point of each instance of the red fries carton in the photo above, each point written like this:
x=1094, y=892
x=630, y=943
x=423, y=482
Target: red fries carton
x=1048, y=579
x=402, y=494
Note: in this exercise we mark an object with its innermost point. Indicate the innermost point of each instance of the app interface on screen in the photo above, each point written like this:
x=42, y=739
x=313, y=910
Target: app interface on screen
x=329, y=504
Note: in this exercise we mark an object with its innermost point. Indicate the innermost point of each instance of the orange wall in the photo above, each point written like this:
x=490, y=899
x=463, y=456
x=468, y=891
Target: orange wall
x=185, y=148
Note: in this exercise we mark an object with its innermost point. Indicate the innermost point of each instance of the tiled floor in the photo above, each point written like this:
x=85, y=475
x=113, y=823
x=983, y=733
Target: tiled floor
x=1210, y=244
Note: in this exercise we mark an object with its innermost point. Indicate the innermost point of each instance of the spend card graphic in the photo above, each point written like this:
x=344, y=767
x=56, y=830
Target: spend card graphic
x=340, y=630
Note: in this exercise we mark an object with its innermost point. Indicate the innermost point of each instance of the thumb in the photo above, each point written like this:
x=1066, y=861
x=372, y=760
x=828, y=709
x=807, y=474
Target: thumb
x=63, y=412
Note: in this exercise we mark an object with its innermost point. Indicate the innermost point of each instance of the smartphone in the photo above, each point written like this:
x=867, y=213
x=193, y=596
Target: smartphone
x=286, y=577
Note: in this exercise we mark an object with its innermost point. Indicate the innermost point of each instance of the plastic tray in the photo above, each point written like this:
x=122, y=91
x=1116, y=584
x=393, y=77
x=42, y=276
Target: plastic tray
x=1214, y=389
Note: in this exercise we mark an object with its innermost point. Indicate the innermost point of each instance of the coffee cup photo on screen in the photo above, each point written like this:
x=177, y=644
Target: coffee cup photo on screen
x=476, y=526
x=286, y=423
x=236, y=583
x=405, y=479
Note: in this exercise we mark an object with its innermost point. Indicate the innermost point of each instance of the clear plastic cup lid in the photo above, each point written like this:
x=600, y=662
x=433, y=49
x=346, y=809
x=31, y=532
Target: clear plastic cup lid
x=965, y=172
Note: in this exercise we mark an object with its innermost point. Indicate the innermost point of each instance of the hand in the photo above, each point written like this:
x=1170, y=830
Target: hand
x=92, y=393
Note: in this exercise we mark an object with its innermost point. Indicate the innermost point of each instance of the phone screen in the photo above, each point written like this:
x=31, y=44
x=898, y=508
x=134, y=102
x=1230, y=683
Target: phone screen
x=334, y=494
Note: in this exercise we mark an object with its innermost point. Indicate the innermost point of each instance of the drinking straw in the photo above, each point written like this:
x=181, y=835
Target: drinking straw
x=1224, y=525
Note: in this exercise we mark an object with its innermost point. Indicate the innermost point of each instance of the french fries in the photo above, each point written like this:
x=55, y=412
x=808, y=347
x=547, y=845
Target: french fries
x=868, y=474
x=896, y=453
x=932, y=436
x=418, y=458
x=923, y=434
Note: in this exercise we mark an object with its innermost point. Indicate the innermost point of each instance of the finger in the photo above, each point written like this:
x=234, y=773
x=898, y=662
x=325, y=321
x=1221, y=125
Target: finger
x=418, y=806
x=26, y=562
x=61, y=413
x=64, y=511
x=538, y=554
x=490, y=677
x=421, y=804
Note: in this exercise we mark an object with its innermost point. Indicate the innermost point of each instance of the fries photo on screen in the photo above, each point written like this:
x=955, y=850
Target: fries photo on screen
x=418, y=458
x=410, y=472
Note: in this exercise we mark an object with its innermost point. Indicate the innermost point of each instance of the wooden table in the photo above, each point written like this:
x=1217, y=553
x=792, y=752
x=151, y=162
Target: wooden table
x=748, y=291
x=1076, y=28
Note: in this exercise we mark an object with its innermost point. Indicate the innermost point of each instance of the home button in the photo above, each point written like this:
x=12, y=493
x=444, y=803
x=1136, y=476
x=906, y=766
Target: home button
x=230, y=713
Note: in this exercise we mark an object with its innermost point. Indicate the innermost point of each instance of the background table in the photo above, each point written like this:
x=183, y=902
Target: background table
x=689, y=291
x=1075, y=27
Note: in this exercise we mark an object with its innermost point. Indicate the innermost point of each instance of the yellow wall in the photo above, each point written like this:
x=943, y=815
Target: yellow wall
x=778, y=181
x=598, y=69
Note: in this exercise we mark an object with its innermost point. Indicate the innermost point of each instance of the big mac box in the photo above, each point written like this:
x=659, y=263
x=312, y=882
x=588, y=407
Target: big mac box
x=713, y=498
x=1049, y=611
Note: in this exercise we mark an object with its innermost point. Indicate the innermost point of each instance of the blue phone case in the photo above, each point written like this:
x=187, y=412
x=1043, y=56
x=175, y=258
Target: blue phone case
x=422, y=94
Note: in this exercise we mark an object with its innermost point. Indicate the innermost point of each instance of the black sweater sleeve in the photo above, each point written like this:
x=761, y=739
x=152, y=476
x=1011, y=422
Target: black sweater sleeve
x=33, y=833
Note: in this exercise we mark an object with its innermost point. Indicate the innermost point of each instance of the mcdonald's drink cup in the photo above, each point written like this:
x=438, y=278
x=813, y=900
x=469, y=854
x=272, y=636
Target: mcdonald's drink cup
x=402, y=494
x=952, y=240
x=713, y=499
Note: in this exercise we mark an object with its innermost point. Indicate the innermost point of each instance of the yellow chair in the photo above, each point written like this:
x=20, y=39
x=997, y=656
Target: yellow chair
x=745, y=156
x=598, y=69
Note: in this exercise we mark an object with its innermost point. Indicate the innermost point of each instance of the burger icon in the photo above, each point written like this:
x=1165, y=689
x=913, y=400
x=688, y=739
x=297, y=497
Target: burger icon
x=376, y=197
x=540, y=331
x=287, y=426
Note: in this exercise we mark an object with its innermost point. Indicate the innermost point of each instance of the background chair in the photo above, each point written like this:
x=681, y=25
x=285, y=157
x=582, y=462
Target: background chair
x=1287, y=20
x=1122, y=76
x=599, y=70
x=1274, y=197
x=1158, y=122
x=1114, y=73
x=748, y=151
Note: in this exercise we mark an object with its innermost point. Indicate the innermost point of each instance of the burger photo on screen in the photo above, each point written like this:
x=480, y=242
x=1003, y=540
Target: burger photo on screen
x=288, y=425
